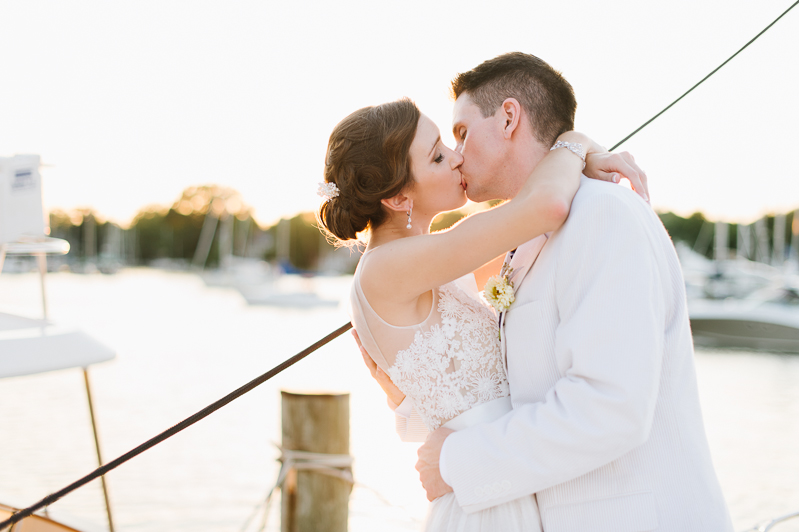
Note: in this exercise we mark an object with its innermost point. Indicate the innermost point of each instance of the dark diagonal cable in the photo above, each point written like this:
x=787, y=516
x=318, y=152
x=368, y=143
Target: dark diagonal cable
x=625, y=139
x=207, y=411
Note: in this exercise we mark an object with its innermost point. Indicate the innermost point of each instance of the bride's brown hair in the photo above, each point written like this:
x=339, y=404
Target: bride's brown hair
x=368, y=159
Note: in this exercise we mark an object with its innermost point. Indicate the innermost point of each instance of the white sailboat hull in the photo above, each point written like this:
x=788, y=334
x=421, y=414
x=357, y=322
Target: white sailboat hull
x=766, y=326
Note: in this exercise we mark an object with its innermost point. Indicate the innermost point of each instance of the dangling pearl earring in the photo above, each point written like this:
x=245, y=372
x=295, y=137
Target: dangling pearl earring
x=409, y=218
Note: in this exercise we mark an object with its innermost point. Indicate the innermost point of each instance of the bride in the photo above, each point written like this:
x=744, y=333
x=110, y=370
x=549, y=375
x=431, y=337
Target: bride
x=414, y=298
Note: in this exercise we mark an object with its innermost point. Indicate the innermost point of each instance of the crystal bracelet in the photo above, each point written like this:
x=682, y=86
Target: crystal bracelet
x=574, y=147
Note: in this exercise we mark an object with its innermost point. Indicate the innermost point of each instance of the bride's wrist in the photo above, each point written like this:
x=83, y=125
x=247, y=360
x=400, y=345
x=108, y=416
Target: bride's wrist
x=575, y=136
x=574, y=142
x=589, y=146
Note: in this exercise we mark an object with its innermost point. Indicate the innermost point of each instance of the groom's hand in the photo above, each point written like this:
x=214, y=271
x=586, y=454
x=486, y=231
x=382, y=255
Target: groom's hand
x=427, y=466
x=393, y=393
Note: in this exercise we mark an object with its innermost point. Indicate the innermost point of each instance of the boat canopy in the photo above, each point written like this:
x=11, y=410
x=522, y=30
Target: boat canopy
x=36, y=346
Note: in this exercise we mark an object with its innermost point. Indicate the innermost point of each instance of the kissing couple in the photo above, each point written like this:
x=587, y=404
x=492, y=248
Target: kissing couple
x=565, y=399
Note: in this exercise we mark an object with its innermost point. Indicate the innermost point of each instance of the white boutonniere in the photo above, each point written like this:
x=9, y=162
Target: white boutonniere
x=498, y=290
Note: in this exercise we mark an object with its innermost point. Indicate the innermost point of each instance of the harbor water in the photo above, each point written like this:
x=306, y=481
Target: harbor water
x=181, y=345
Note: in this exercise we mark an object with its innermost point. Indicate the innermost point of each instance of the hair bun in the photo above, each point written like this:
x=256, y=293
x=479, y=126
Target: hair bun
x=368, y=160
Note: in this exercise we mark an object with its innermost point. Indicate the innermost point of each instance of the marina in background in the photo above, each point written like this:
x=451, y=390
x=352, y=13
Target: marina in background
x=181, y=344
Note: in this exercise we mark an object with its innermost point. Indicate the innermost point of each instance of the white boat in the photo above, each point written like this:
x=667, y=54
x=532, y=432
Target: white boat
x=288, y=290
x=723, y=278
x=766, y=320
x=29, y=346
x=240, y=272
x=740, y=303
x=738, y=278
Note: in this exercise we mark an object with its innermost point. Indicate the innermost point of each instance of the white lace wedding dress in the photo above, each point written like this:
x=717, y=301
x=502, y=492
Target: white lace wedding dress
x=449, y=366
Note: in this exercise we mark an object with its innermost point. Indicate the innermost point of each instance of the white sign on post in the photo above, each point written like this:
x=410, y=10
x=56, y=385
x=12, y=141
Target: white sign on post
x=21, y=211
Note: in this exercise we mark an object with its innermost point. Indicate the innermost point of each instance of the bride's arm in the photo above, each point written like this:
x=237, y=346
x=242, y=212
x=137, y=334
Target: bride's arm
x=414, y=265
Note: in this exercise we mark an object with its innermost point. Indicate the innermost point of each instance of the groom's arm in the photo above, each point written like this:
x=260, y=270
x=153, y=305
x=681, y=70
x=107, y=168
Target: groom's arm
x=609, y=344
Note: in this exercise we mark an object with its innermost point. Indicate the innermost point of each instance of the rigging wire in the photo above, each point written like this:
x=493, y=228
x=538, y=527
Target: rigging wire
x=213, y=407
x=628, y=137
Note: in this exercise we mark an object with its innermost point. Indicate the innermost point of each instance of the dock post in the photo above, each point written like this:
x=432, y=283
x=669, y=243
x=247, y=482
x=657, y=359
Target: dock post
x=315, y=496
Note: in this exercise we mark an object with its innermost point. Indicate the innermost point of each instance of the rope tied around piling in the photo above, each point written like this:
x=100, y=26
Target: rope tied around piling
x=333, y=465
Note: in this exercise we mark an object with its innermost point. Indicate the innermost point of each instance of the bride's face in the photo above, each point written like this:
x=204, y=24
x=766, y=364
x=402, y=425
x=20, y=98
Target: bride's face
x=438, y=185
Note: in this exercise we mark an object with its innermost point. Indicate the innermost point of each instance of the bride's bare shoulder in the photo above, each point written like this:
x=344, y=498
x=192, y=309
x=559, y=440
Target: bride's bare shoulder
x=374, y=265
x=380, y=278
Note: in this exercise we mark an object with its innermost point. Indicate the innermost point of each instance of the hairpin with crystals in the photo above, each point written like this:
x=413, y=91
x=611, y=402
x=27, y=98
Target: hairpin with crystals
x=328, y=191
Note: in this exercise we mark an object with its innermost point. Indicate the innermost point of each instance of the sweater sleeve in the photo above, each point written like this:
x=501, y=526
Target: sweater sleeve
x=409, y=424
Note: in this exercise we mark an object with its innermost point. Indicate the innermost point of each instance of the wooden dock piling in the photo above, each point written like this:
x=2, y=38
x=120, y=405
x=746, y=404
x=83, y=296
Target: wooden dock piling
x=312, y=500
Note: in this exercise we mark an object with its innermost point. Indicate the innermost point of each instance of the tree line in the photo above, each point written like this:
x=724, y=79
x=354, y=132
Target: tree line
x=173, y=233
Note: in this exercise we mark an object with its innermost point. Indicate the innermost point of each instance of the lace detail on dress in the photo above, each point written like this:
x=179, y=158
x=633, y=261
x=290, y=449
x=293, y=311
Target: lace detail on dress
x=453, y=366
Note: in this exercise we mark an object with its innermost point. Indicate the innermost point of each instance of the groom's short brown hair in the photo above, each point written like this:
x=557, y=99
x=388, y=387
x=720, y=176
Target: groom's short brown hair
x=541, y=90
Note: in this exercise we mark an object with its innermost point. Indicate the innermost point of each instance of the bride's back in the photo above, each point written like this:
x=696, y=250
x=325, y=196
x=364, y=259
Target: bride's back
x=446, y=364
x=449, y=361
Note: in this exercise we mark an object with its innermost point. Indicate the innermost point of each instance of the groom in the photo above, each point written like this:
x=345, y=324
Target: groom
x=606, y=429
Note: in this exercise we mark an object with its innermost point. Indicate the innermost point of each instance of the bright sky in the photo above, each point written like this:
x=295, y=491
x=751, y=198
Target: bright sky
x=131, y=102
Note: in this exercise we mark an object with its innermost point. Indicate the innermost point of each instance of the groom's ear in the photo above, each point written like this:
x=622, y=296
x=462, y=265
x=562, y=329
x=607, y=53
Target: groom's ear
x=510, y=113
x=399, y=203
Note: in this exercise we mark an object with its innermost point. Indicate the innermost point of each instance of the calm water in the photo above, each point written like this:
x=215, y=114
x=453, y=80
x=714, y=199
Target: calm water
x=182, y=345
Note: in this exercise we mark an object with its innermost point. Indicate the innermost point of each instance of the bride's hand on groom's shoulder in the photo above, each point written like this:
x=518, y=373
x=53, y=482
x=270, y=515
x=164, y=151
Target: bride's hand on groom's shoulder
x=605, y=166
x=394, y=394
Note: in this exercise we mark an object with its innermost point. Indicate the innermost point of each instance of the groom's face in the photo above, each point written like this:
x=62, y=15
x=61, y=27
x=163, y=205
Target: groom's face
x=480, y=140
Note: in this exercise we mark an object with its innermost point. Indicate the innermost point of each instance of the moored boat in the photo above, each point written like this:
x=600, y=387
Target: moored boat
x=764, y=321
